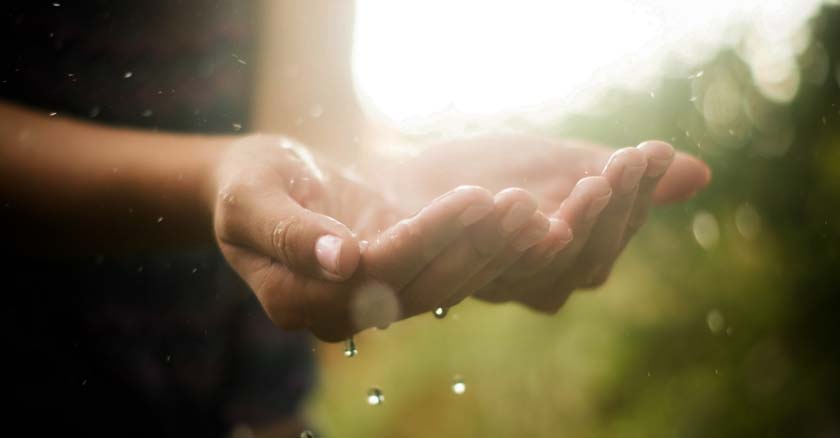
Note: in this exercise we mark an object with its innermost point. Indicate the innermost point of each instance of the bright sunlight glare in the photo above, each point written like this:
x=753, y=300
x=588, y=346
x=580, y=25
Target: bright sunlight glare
x=419, y=59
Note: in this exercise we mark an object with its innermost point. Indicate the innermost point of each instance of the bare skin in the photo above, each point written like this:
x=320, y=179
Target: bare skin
x=309, y=238
x=596, y=199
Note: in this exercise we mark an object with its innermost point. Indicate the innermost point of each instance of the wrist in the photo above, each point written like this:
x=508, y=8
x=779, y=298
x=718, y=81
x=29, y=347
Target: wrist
x=212, y=159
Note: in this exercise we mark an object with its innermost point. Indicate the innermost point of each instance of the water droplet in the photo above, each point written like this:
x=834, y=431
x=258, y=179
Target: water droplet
x=237, y=127
x=127, y=75
x=458, y=386
x=56, y=4
x=715, y=321
x=747, y=220
x=375, y=397
x=147, y=113
x=194, y=270
x=160, y=219
x=168, y=358
x=84, y=382
x=350, y=348
x=238, y=59
x=316, y=111
x=440, y=312
x=307, y=434
x=705, y=229
x=53, y=114
x=652, y=95
x=94, y=112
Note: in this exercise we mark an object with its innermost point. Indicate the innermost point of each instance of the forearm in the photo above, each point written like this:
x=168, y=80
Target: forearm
x=72, y=187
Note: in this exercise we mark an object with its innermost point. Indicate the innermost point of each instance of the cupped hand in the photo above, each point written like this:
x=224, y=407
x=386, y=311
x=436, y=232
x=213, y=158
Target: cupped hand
x=323, y=251
x=595, y=198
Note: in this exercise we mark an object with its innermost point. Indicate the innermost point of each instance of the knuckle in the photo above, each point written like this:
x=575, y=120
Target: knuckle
x=283, y=237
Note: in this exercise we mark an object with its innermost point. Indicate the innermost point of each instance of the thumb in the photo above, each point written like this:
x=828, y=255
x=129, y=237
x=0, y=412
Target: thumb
x=300, y=239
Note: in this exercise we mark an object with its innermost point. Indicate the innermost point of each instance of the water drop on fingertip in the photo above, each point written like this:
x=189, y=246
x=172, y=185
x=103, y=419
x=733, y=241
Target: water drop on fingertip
x=440, y=312
x=350, y=348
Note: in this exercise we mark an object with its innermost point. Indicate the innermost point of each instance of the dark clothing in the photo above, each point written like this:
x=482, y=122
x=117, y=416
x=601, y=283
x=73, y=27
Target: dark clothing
x=173, y=345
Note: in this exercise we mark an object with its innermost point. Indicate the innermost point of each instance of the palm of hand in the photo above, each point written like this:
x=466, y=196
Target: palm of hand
x=276, y=204
x=547, y=169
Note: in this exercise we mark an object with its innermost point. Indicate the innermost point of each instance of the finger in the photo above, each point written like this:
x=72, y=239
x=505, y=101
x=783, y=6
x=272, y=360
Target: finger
x=536, y=230
x=581, y=211
x=279, y=228
x=530, y=231
x=540, y=255
x=686, y=176
x=659, y=156
x=468, y=254
x=624, y=171
x=403, y=250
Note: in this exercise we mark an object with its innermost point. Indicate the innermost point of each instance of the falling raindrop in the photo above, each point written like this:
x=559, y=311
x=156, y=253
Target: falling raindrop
x=375, y=397
x=458, y=386
x=53, y=114
x=440, y=312
x=127, y=75
x=350, y=348
x=160, y=219
x=307, y=434
x=715, y=321
x=146, y=113
x=237, y=127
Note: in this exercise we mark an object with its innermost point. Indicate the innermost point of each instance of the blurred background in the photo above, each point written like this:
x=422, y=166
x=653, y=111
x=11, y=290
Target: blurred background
x=720, y=319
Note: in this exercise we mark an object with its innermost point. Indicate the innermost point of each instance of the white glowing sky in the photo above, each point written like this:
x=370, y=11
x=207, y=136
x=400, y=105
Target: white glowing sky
x=481, y=57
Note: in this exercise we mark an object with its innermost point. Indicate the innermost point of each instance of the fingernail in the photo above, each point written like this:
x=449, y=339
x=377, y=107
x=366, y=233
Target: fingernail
x=516, y=217
x=596, y=206
x=474, y=213
x=630, y=178
x=565, y=233
x=327, y=251
x=657, y=167
x=528, y=238
x=565, y=236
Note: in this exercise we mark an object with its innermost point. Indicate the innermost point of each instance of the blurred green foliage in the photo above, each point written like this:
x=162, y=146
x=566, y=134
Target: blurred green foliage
x=739, y=337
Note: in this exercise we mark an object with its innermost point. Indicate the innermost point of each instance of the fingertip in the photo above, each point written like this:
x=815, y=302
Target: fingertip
x=563, y=230
x=515, y=208
x=686, y=176
x=534, y=232
x=337, y=256
x=597, y=186
x=478, y=202
x=349, y=258
x=659, y=157
x=625, y=169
